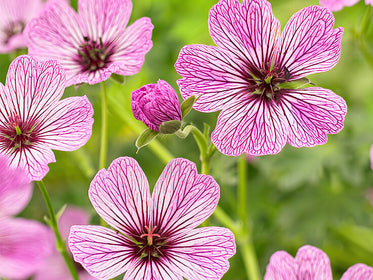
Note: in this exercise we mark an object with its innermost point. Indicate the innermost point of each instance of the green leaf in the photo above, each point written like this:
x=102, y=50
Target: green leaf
x=60, y=212
x=300, y=83
x=118, y=78
x=145, y=138
x=187, y=105
x=170, y=127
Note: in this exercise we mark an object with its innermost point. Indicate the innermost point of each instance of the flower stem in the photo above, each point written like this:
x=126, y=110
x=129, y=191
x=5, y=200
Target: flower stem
x=60, y=244
x=104, y=133
x=242, y=190
x=249, y=258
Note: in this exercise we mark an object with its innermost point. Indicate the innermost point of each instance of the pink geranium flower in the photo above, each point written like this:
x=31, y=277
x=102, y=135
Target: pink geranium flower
x=24, y=244
x=244, y=76
x=54, y=267
x=14, y=15
x=312, y=264
x=33, y=119
x=93, y=44
x=336, y=5
x=154, y=236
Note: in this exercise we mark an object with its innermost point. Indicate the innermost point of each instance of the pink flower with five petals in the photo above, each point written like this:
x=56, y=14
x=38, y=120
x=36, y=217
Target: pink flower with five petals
x=92, y=44
x=154, y=236
x=246, y=75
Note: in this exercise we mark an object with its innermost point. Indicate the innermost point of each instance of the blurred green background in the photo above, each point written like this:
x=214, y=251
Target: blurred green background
x=320, y=196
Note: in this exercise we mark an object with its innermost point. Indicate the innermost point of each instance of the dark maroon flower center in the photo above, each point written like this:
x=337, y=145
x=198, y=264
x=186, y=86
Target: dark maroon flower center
x=93, y=55
x=268, y=82
x=13, y=28
x=18, y=134
x=151, y=244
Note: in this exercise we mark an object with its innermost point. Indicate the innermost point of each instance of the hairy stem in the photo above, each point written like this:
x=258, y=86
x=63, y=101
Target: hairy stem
x=60, y=244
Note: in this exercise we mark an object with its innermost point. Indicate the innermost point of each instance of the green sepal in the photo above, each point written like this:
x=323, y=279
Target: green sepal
x=183, y=133
x=300, y=83
x=145, y=138
x=118, y=78
x=187, y=105
x=60, y=212
x=170, y=127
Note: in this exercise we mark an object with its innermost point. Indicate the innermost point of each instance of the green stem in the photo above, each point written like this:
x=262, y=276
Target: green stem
x=242, y=190
x=104, y=132
x=60, y=244
x=249, y=258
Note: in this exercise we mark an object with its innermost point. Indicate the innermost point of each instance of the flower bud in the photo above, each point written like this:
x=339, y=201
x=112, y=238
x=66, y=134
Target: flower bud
x=154, y=104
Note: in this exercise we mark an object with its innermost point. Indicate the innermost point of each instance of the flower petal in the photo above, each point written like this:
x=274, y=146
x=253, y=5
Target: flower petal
x=131, y=47
x=204, y=252
x=358, y=271
x=212, y=74
x=337, y=5
x=101, y=251
x=56, y=34
x=309, y=44
x=311, y=113
x=249, y=30
x=69, y=125
x=250, y=124
x=71, y=216
x=32, y=88
x=281, y=266
x=121, y=196
x=313, y=263
x=105, y=19
x=182, y=198
x=15, y=189
x=24, y=244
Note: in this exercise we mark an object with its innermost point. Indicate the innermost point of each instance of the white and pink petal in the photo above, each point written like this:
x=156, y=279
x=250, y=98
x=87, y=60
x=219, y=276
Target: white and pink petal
x=282, y=266
x=311, y=113
x=309, y=44
x=182, y=198
x=101, y=251
x=250, y=124
x=121, y=196
x=358, y=272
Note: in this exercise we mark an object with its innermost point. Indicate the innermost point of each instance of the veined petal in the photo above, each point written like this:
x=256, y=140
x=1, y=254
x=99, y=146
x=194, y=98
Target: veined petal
x=336, y=5
x=250, y=124
x=131, y=47
x=143, y=270
x=358, y=272
x=249, y=30
x=69, y=125
x=32, y=88
x=204, y=252
x=282, y=266
x=15, y=189
x=34, y=160
x=101, y=251
x=182, y=198
x=310, y=114
x=56, y=34
x=121, y=196
x=104, y=19
x=309, y=44
x=313, y=263
x=212, y=74
x=23, y=246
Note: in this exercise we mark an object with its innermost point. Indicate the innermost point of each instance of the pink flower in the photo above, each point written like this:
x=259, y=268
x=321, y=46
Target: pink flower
x=244, y=76
x=371, y=157
x=23, y=243
x=33, y=119
x=14, y=16
x=154, y=236
x=312, y=264
x=154, y=104
x=93, y=44
x=336, y=5
x=54, y=267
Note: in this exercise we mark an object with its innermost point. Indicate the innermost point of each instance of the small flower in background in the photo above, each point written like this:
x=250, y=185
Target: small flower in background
x=154, y=104
x=336, y=5
x=154, y=236
x=93, y=44
x=14, y=15
x=247, y=77
x=24, y=244
x=54, y=267
x=310, y=263
x=371, y=157
x=33, y=119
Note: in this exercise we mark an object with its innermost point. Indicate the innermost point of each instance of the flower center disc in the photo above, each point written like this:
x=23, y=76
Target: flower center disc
x=150, y=244
x=93, y=55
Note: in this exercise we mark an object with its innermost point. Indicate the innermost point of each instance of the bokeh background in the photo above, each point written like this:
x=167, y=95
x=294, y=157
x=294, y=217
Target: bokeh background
x=321, y=196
